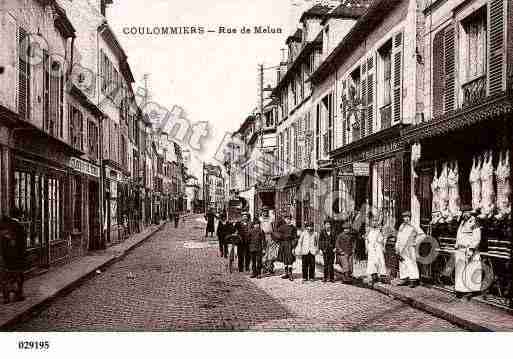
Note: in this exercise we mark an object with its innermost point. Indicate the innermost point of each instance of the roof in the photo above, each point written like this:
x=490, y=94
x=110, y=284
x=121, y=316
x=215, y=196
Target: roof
x=365, y=24
x=297, y=37
x=317, y=11
x=111, y=38
x=305, y=51
x=246, y=123
x=349, y=9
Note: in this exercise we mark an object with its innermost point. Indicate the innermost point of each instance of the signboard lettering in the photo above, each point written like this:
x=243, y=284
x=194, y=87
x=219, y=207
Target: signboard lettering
x=84, y=167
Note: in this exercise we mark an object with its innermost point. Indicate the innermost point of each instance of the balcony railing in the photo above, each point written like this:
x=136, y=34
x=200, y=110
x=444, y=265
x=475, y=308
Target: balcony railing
x=386, y=116
x=474, y=91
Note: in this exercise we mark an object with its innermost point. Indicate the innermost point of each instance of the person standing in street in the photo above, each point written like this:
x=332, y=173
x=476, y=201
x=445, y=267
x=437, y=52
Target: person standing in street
x=256, y=246
x=176, y=218
x=344, y=252
x=243, y=255
x=375, y=245
x=222, y=227
x=307, y=248
x=287, y=235
x=271, y=247
x=406, y=249
x=468, y=266
x=14, y=247
x=210, y=217
x=327, y=246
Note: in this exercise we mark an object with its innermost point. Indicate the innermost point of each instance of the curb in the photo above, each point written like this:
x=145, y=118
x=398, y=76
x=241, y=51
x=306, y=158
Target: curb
x=422, y=306
x=69, y=287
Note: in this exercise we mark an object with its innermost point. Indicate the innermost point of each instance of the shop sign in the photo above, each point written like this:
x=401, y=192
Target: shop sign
x=361, y=169
x=370, y=153
x=84, y=167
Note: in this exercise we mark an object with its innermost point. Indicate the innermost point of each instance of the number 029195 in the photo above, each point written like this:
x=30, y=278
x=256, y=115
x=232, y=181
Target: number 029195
x=34, y=345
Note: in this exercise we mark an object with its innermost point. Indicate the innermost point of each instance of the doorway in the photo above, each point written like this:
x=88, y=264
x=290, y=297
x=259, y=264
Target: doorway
x=94, y=216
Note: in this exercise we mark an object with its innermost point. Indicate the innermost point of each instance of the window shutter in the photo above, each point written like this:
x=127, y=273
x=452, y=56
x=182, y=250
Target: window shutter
x=496, y=58
x=438, y=74
x=8, y=59
x=23, y=78
x=450, y=67
x=397, y=80
x=343, y=104
x=370, y=95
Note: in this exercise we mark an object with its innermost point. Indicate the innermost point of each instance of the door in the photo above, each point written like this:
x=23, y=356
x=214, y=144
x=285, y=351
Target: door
x=94, y=217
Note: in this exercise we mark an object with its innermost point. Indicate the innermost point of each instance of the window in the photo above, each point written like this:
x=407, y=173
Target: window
x=24, y=76
x=93, y=137
x=475, y=42
x=385, y=54
x=294, y=91
x=76, y=127
x=386, y=186
x=328, y=110
x=318, y=132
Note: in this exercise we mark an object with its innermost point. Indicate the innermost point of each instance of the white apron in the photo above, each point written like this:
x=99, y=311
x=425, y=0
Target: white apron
x=468, y=268
x=376, y=253
x=406, y=248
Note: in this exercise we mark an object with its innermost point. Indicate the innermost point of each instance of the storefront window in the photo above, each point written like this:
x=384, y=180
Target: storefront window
x=385, y=191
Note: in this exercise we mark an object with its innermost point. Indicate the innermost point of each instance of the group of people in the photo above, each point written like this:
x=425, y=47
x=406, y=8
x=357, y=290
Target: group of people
x=263, y=242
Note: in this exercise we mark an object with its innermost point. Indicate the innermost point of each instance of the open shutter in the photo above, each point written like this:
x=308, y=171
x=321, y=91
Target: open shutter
x=363, y=98
x=23, y=77
x=370, y=94
x=8, y=60
x=496, y=58
x=438, y=74
x=342, y=117
x=397, y=78
x=450, y=67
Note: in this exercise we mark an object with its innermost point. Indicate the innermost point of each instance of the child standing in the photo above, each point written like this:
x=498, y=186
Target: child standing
x=375, y=245
x=256, y=245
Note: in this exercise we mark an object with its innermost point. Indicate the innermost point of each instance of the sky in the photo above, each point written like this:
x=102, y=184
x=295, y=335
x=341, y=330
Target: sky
x=212, y=76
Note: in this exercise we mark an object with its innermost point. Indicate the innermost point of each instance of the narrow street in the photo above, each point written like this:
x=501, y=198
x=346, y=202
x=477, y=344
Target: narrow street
x=175, y=281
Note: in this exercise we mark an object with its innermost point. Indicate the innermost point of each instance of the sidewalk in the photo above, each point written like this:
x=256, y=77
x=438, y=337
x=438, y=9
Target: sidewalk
x=472, y=315
x=42, y=289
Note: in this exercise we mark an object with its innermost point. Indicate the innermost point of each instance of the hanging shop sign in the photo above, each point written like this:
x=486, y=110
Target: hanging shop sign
x=358, y=169
x=84, y=167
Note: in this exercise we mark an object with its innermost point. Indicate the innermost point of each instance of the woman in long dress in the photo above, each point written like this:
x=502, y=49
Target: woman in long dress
x=468, y=268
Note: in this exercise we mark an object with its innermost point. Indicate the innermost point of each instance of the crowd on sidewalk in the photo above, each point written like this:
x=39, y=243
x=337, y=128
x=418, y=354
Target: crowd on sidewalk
x=261, y=242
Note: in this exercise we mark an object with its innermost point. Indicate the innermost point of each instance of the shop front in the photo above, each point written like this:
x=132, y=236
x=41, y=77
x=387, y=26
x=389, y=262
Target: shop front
x=459, y=161
x=41, y=194
x=371, y=178
x=85, y=189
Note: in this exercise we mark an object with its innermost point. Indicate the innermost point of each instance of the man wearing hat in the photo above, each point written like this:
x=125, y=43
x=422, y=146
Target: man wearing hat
x=243, y=255
x=344, y=251
x=406, y=249
x=307, y=248
x=256, y=246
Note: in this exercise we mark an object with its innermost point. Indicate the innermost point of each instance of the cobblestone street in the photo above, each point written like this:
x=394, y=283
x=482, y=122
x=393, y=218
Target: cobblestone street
x=176, y=281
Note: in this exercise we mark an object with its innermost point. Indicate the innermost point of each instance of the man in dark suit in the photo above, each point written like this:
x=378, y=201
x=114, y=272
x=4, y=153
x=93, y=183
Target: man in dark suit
x=14, y=246
x=327, y=246
x=244, y=257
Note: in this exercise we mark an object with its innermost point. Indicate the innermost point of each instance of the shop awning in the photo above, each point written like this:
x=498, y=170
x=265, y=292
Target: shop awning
x=492, y=108
x=293, y=179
